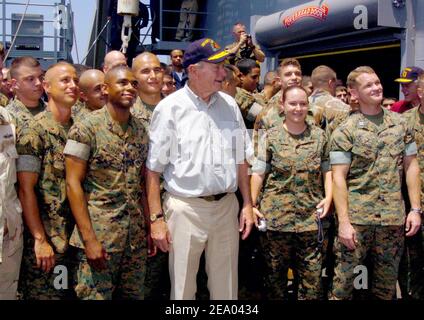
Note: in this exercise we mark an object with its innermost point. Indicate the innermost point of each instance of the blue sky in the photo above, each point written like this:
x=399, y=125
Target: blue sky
x=84, y=11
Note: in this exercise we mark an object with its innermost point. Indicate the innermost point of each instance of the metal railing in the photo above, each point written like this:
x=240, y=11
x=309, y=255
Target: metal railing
x=59, y=44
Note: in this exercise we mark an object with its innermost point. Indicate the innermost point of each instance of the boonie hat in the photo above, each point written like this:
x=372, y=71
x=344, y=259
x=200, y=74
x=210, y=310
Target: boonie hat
x=204, y=50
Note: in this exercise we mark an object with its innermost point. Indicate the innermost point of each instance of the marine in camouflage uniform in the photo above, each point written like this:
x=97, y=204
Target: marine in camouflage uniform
x=40, y=147
x=21, y=114
x=82, y=113
x=142, y=111
x=77, y=108
x=375, y=154
x=113, y=187
x=250, y=106
x=415, y=245
x=324, y=107
x=293, y=187
x=157, y=281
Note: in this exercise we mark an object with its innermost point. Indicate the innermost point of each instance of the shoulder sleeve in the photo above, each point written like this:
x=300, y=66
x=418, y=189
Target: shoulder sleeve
x=30, y=147
x=80, y=141
x=410, y=144
x=341, y=146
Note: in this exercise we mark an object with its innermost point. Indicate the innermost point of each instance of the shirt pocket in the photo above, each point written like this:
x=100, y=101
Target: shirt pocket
x=365, y=146
x=58, y=165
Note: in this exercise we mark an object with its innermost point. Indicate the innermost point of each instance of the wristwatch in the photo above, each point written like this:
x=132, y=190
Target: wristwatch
x=154, y=217
x=416, y=210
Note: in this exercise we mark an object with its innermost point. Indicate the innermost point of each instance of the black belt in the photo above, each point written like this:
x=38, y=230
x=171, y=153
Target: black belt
x=214, y=197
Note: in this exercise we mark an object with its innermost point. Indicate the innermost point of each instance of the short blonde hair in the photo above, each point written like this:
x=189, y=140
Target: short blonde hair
x=354, y=74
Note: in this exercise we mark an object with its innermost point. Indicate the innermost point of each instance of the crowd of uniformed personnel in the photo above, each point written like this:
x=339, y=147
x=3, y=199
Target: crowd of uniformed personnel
x=336, y=178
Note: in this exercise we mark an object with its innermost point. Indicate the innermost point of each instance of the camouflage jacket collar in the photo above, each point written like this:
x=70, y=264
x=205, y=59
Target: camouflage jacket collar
x=317, y=94
x=114, y=126
x=51, y=125
x=364, y=123
x=19, y=105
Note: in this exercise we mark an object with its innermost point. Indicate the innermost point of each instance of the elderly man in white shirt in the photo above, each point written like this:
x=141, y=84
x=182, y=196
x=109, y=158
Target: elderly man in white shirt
x=11, y=227
x=199, y=143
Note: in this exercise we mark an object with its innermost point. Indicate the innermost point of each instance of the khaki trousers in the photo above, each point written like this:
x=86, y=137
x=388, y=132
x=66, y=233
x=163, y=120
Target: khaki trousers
x=9, y=269
x=196, y=225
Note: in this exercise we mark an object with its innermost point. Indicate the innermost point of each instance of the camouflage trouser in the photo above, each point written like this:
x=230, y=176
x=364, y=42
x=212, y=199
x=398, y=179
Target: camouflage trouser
x=328, y=258
x=187, y=20
x=157, y=285
x=123, y=277
x=411, y=269
x=385, y=246
x=297, y=250
x=34, y=284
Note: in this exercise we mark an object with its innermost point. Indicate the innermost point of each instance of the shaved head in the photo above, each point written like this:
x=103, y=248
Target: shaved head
x=141, y=59
x=61, y=84
x=55, y=69
x=113, y=59
x=114, y=72
x=89, y=77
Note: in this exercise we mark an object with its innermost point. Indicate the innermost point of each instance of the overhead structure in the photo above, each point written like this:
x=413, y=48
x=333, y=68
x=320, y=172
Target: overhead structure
x=127, y=9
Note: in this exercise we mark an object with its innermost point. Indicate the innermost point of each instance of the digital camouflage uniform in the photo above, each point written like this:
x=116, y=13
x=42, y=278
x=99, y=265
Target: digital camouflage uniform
x=80, y=111
x=3, y=100
x=20, y=113
x=324, y=107
x=76, y=108
x=244, y=52
x=113, y=188
x=250, y=106
x=415, y=245
x=375, y=205
x=262, y=97
x=40, y=147
x=142, y=111
x=157, y=283
x=293, y=187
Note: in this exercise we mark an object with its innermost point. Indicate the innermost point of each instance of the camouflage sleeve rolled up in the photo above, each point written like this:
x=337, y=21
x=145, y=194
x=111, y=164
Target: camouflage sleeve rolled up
x=410, y=145
x=30, y=147
x=80, y=141
x=340, y=146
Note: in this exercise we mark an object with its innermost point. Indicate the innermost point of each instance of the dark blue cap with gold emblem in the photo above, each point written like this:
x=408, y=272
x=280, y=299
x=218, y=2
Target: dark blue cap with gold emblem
x=204, y=50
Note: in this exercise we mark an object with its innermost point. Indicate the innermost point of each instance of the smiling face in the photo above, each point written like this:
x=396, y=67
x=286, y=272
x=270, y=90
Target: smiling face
x=149, y=74
x=61, y=85
x=290, y=75
x=121, y=87
x=91, y=84
x=208, y=76
x=295, y=104
x=409, y=91
x=368, y=90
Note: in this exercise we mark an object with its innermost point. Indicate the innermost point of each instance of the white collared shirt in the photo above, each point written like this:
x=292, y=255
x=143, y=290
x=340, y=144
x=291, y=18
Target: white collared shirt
x=198, y=145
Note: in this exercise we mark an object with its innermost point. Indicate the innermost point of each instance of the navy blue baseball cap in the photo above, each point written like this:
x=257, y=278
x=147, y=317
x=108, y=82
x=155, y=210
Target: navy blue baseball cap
x=204, y=50
x=410, y=74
